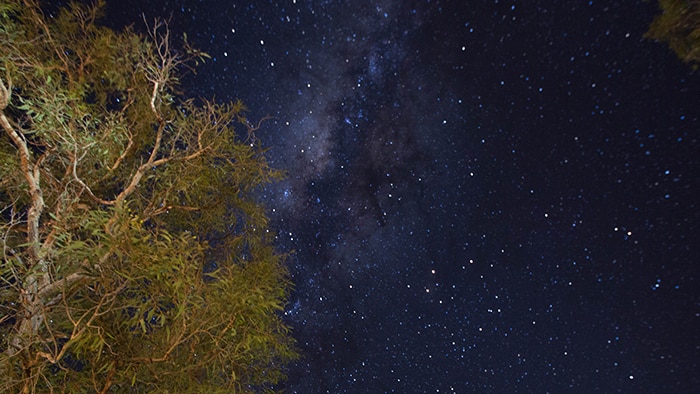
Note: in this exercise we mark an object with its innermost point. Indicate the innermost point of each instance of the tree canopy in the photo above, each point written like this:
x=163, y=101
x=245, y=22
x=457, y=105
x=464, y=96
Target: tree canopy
x=134, y=255
x=679, y=26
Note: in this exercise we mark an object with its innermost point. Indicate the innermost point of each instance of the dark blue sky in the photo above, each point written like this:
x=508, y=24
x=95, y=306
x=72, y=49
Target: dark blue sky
x=493, y=197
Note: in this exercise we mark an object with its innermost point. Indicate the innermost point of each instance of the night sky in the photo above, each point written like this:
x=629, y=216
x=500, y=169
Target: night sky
x=482, y=196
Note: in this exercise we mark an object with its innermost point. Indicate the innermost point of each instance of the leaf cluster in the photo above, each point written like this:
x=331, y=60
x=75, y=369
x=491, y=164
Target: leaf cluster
x=679, y=26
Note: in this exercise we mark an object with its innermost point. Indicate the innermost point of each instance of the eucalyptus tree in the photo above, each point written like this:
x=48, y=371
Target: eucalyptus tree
x=134, y=255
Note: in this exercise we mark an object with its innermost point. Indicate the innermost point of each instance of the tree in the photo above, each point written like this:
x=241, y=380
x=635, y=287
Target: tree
x=134, y=253
x=679, y=26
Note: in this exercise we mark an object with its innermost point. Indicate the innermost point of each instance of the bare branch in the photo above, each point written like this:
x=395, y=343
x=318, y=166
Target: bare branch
x=253, y=128
x=121, y=158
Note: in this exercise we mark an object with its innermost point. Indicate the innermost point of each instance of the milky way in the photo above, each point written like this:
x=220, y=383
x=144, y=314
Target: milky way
x=497, y=197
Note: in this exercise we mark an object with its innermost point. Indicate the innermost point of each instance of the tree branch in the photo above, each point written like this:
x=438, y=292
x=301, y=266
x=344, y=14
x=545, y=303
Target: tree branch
x=49, y=290
x=31, y=174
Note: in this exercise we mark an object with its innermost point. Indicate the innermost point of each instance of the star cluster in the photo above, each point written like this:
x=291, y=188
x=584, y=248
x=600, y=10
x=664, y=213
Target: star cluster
x=495, y=197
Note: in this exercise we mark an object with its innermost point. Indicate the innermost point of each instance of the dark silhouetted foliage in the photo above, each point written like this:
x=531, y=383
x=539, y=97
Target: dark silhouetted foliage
x=679, y=26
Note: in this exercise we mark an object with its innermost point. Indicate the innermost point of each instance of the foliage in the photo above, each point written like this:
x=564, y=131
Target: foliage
x=679, y=26
x=134, y=256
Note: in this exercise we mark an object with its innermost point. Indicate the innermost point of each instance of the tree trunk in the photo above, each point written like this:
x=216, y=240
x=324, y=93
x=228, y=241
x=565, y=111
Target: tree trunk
x=29, y=323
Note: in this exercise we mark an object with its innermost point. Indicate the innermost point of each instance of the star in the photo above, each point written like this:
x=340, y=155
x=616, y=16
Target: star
x=486, y=198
